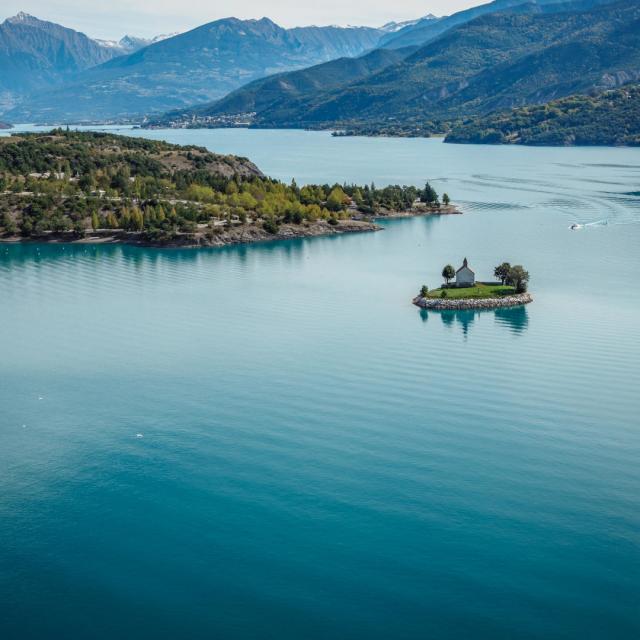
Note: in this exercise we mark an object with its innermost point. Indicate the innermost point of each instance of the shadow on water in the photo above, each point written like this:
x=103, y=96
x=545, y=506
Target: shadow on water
x=139, y=257
x=516, y=319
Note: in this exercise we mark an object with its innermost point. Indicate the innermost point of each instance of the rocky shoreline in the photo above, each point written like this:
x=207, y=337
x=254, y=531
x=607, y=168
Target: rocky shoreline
x=443, y=210
x=460, y=304
x=240, y=234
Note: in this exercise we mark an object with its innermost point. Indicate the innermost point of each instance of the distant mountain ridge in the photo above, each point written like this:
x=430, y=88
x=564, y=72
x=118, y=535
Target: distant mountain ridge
x=285, y=91
x=495, y=61
x=395, y=27
x=203, y=64
x=35, y=54
x=423, y=31
x=130, y=44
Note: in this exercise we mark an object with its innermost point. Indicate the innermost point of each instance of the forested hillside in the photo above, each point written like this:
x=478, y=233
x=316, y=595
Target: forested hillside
x=611, y=118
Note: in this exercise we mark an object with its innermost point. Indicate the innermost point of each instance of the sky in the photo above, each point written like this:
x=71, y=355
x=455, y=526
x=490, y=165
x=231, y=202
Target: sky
x=111, y=19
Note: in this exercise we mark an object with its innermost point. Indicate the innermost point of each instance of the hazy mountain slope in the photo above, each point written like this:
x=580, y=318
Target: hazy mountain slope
x=35, y=53
x=610, y=118
x=283, y=91
x=198, y=66
x=495, y=61
x=426, y=30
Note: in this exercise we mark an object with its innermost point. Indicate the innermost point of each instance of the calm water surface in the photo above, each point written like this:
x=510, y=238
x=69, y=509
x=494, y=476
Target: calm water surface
x=271, y=442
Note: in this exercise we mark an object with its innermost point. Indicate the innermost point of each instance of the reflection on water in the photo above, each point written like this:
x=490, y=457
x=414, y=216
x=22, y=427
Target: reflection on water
x=516, y=319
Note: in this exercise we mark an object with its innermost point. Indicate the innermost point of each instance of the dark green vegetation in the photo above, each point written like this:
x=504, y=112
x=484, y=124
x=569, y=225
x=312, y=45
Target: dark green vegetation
x=68, y=181
x=480, y=290
x=610, y=118
x=194, y=67
x=496, y=61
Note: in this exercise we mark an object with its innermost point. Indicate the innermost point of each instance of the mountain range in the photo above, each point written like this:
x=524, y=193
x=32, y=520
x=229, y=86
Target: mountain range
x=410, y=78
x=36, y=54
x=422, y=31
x=203, y=64
x=131, y=44
x=524, y=54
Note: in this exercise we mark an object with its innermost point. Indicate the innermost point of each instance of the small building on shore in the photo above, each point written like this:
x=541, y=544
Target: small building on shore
x=465, y=277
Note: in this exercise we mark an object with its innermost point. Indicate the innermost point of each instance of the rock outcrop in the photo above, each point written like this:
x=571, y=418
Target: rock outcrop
x=460, y=304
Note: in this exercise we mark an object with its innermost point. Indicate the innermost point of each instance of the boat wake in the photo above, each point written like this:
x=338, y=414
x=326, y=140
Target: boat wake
x=576, y=226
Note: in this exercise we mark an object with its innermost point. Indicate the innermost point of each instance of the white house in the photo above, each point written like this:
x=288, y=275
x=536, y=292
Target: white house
x=464, y=276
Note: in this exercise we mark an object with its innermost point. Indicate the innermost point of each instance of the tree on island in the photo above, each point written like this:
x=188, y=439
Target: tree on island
x=447, y=273
x=424, y=292
x=502, y=271
x=337, y=200
x=429, y=195
x=518, y=278
x=445, y=199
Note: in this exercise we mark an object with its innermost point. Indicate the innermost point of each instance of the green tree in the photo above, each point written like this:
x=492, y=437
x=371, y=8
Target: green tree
x=111, y=221
x=424, y=292
x=448, y=272
x=518, y=278
x=10, y=227
x=79, y=228
x=270, y=225
x=445, y=199
x=95, y=221
x=337, y=199
x=502, y=271
x=429, y=195
x=137, y=220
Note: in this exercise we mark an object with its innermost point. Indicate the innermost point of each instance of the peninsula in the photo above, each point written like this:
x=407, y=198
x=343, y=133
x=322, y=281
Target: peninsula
x=70, y=186
x=462, y=291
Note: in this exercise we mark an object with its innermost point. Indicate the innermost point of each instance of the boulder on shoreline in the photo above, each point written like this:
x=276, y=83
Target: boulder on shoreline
x=460, y=304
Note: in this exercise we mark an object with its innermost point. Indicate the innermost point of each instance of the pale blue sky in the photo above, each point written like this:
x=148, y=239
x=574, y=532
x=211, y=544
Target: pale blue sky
x=115, y=18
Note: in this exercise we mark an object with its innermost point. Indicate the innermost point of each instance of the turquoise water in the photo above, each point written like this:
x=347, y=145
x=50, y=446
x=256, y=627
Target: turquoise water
x=272, y=442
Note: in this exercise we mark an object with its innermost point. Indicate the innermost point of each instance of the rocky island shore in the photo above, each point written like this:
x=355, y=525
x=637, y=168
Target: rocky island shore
x=461, y=304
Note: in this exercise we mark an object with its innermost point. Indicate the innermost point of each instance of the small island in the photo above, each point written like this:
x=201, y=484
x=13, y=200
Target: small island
x=462, y=291
x=87, y=187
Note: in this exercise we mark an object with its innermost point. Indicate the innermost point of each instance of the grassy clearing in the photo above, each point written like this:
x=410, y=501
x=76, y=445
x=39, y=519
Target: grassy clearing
x=479, y=291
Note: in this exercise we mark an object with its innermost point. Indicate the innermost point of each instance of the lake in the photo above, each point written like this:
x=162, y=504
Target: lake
x=272, y=442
